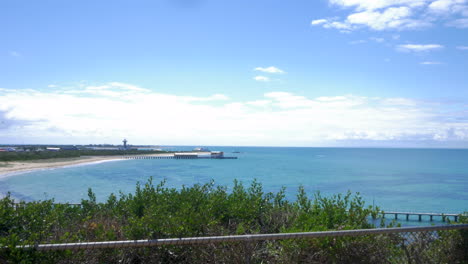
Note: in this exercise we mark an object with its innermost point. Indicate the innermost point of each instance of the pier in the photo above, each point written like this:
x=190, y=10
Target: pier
x=187, y=155
x=148, y=157
x=431, y=216
x=173, y=157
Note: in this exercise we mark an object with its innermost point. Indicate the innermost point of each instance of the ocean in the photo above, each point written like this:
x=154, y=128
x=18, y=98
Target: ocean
x=421, y=180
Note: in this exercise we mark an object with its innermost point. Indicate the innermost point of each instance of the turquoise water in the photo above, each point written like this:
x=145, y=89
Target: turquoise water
x=423, y=180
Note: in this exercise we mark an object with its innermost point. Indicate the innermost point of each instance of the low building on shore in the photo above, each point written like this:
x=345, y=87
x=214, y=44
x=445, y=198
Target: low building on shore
x=8, y=149
x=199, y=155
x=102, y=148
x=52, y=149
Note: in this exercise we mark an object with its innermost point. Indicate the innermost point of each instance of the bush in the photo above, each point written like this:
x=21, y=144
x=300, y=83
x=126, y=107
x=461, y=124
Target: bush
x=153, y=212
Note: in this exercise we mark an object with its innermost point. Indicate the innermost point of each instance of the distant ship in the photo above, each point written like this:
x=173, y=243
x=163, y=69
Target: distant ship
x=201, y=149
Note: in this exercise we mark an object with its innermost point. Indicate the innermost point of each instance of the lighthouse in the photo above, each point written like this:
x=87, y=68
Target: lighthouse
x=125, y=143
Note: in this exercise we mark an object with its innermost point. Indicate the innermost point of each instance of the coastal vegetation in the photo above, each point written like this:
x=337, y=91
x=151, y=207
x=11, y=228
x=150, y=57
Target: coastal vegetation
x=39, y=155
x=157, y=211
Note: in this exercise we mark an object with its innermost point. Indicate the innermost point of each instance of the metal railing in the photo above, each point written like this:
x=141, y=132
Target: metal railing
x=433, y=244
x=237, y=238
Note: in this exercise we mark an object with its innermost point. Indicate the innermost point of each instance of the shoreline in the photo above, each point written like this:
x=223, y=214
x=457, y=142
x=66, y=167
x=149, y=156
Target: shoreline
x=17, y=167
x=12, y=168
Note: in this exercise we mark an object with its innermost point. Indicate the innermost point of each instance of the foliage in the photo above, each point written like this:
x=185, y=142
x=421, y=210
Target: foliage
x=157, y=211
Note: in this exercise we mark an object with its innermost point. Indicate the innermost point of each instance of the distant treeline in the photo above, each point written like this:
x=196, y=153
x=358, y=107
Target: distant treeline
x=154, y=212
x=36, y=155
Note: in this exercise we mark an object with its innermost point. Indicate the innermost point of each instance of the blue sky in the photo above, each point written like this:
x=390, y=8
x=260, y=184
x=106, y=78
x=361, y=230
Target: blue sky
x=300, y=73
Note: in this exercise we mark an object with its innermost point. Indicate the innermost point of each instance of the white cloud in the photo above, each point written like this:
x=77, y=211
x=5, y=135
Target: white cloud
x=430, y=63
x=448, y=6
x=214, y=97
x=217, y=97
x=441, y=5
x=343, y=27
x=259, y=103
x=399, y=102
x=377, y=4
x=84, y=114
x=260, y=78
x=270, y=69
x=318, y=22
x=396, y=14
x=126, y=86
x=390, y=18
x=117, y=85
x=459, y=23
x=52, y=86
x=419, y=47
x=462, y=47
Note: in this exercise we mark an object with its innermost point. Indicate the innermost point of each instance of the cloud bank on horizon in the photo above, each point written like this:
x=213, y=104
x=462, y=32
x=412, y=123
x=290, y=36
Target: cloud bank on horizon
x=382, y=15
x=112, y=111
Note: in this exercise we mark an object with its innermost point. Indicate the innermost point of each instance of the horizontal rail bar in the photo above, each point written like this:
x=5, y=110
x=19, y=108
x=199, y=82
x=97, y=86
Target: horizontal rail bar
x=238, y=238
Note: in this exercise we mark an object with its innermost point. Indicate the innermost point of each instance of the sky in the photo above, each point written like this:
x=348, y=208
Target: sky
x=312, y=73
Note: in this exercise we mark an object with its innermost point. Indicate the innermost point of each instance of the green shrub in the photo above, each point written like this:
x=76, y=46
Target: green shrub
x=153, y=212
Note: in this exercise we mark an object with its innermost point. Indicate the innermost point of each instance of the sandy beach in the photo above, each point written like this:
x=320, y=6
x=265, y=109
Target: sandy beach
x=12, y=167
